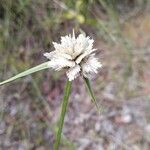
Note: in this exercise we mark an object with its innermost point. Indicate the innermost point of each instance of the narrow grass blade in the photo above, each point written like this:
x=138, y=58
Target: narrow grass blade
x=63, y=112
x=27, y=72
x=87, y=82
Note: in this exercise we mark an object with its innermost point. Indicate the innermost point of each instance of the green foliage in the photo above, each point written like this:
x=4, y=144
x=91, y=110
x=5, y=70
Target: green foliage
x=27, y=72
x=90, y=91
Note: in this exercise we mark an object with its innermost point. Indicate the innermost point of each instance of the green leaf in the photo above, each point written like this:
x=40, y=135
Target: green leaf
x=90, y=91
x=27, y=72
x=63, y=112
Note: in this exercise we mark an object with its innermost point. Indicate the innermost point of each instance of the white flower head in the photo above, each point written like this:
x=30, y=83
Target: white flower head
x=74, y=54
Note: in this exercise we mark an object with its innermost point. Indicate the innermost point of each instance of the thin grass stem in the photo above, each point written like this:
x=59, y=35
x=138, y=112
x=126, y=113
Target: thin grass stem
x=62, y=116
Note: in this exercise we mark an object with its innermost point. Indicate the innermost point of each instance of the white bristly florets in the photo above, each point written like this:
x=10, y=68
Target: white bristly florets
x=74, y=54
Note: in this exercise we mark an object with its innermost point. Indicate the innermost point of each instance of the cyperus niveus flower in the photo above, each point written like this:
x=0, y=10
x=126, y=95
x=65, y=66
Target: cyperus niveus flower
x=77, y=55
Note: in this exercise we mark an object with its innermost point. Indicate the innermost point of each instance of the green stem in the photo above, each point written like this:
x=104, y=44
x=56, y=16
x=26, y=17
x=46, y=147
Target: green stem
x=63, y=112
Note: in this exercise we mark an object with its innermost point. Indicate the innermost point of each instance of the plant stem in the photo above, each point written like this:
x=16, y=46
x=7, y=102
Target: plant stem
x=63, y=112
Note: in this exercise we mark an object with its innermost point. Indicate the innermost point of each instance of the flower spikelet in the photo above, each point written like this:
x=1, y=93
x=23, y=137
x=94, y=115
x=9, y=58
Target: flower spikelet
x=77, y=55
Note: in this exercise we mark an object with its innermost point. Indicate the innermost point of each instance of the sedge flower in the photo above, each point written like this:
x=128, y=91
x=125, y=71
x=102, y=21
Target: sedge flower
x=77, y=55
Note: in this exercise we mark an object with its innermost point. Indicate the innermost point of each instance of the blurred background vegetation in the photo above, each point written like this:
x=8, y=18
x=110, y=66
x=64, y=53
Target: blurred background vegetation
x=32, y=25
x=29, y=107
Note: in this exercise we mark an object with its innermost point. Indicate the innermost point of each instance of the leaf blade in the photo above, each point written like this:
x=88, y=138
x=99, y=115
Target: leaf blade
x=90, y=91
x=27, y=72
